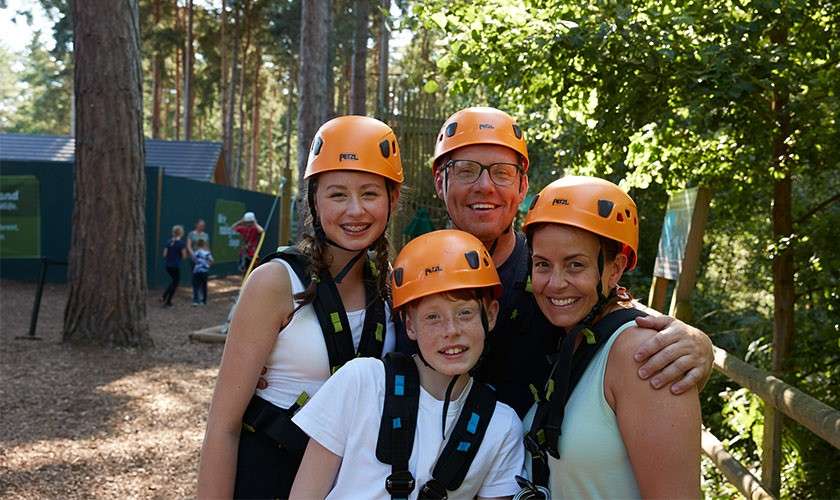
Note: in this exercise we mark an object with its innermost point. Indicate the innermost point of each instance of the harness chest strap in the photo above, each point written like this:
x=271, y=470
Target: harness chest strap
x=399, y=420
x=569, y=366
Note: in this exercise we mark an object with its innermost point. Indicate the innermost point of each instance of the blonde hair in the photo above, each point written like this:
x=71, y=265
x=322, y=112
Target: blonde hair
x=177, y=230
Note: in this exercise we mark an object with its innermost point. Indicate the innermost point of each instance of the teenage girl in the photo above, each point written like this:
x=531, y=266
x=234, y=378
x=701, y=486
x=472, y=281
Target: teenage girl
x=303, y=325
x=610, y=435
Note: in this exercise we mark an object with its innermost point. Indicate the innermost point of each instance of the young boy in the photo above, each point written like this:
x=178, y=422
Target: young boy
x=203, y=259
x=419, y=427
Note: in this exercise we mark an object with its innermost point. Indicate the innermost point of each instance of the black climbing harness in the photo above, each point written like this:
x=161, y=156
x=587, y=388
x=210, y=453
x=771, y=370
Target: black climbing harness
x=399, y=421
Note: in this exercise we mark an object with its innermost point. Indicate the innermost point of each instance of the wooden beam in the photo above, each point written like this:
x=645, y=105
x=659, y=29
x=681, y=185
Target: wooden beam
x=735, y=473
x=816, y=416
x=658, y=292
x=681, y=299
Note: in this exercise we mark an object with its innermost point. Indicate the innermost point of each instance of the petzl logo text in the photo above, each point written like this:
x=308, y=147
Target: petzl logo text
x=560, y=201
x=433, y=269
x=348, y=156
x=483, y=126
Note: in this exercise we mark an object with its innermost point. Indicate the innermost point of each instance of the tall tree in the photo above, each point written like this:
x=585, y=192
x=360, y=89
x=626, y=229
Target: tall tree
x=107, y=300
x=358, y=66
x=157, y=70
x=312, y=85
x=188, y=74
x=382, y=66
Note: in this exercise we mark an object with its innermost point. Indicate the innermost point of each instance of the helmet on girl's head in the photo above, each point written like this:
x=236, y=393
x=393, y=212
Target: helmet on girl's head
x=442, y=261
x=480, y=126
x=357, y=143
x=589, y=203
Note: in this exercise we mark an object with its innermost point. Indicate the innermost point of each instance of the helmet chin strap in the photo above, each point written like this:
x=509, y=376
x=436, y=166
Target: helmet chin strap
x=602, y=298
x=321, y=235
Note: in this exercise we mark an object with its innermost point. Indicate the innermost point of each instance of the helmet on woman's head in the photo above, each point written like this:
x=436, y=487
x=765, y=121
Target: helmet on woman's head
x=356, y=143
x=442, y=261
x=480, y=126
x=589, y=203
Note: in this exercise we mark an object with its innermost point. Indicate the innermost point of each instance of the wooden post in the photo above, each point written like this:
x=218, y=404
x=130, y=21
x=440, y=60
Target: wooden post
x=735, y=473
x=658, y=291
x=680, y=300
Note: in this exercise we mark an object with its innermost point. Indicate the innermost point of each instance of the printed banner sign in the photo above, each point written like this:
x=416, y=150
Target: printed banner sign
x=675, y=230
x=225, y=241
x=20, y=217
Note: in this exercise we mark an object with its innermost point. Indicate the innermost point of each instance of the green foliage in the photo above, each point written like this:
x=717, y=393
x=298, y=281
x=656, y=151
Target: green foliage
x=662, y=96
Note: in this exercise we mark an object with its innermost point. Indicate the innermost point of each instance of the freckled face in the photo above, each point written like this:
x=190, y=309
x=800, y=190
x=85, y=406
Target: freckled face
x=565, y=273
x=353, y=207
x=482, y=208
x=449, y=332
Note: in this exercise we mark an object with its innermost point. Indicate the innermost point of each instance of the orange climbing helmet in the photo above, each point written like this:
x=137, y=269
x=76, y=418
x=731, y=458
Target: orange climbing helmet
x=442, y=261
x=589, y=203
x=480, y=126
x=358, y=143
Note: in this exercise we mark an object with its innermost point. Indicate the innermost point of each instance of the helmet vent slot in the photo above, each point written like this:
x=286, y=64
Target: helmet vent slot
x=605, y=208
x=384, y=148
x=472, y=259
x=316, y=145
x=398, y=276
x=534, y=202
x=451, y=128
x=619, y=217
x=517, y=131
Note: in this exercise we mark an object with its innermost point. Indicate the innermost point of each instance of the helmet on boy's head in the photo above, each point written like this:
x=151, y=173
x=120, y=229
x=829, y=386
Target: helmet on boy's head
x=589, y=203
x=249, y=217
x=357, y=143
x=442, y=261
x=480, y=126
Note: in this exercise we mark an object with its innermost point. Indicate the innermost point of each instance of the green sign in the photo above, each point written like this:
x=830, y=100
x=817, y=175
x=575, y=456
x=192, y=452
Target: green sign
x=20, y=217
x=225, y=241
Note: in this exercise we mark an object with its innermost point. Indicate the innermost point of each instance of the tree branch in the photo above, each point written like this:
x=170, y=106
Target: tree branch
x=816, y=209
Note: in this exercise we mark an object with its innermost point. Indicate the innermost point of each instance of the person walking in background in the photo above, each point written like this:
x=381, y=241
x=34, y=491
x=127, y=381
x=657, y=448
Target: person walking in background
x=173, y=252
x=250, y=230
x=202, y=260
x=196, y=235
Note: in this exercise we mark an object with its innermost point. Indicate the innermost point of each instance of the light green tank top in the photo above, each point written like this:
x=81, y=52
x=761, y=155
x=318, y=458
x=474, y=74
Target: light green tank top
x=593, y=461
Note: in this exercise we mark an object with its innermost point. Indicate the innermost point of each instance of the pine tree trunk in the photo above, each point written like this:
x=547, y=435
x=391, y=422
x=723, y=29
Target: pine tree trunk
x=107, y=264
x=358, y=66
x=255, y=123
x=240, y=143
x=234, y=64
x=188, y=75
x=382, y=82
x=330, y=93
x=157, y=66
x=285, y=210
x=177, y=76
x=223, y=69
x=312, y=85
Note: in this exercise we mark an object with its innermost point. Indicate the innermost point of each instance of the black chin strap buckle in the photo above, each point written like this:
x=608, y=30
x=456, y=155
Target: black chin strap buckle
x=400, y=484
x=531, y=491
x=433, y=490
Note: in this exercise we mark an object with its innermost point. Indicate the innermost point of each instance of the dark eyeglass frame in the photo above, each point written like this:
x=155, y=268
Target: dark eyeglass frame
x=481, y=168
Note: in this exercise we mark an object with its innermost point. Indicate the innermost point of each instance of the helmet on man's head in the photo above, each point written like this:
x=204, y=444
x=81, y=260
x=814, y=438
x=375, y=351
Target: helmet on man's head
x=249, y=217
x=480, y=126
x=589, y=203
x=356, y=143
x=442, y=261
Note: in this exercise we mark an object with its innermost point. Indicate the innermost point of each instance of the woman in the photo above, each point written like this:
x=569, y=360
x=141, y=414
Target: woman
x=173, y=253
x=252, y=449
x=612, y=434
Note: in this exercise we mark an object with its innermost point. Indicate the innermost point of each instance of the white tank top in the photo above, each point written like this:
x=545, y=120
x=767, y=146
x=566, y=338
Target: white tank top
x=299, y=361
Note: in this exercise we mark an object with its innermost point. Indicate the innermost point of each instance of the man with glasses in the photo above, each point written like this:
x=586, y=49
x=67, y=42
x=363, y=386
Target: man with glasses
x=480, y=169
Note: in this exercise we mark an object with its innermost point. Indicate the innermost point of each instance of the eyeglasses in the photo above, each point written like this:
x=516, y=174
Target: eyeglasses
x=469, y=171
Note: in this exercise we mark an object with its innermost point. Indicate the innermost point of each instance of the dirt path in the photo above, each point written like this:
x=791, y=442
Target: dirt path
x=82, y=423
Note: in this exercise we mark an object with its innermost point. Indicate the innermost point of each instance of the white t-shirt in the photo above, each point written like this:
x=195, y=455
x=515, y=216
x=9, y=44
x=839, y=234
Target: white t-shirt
x=299, y=360
x=344, y=418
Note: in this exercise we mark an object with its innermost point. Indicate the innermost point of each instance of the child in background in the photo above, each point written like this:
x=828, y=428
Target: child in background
x=419, y=427
x=203, y=259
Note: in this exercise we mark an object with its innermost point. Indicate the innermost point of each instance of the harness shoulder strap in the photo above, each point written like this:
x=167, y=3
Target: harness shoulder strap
x=399, y=421
x=566, y=373
x=297, y=260
x=463, y=444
